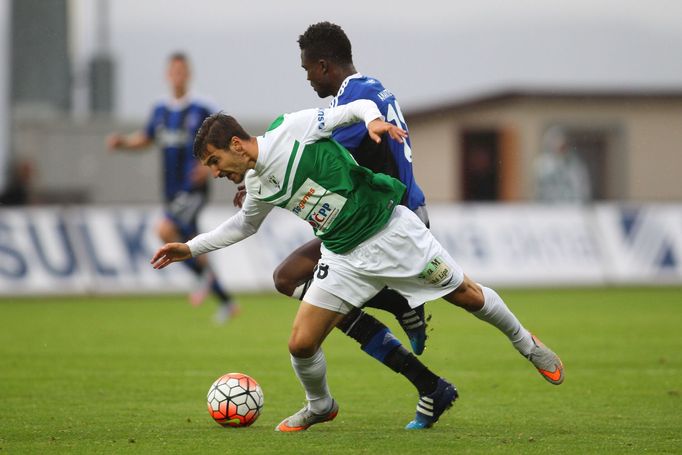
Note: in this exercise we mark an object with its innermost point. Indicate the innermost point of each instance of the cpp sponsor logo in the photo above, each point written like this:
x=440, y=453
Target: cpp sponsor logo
x=318, y=218
x=304, y=200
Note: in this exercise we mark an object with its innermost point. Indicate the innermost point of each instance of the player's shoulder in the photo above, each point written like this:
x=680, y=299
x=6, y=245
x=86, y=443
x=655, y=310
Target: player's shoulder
x=289, y=122
x=252, y=183
x=365, y=83
x=365, y=87
x=276, y=123
x=160, y=104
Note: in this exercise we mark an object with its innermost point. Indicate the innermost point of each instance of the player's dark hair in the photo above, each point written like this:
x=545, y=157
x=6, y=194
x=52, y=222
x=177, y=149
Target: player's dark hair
x=217, y=130
x=178, y=55
x=328, y=41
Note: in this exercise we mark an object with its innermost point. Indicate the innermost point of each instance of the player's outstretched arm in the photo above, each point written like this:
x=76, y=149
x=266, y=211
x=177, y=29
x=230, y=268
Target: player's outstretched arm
x=136, y=141
x=169, y=253
x=377, y=127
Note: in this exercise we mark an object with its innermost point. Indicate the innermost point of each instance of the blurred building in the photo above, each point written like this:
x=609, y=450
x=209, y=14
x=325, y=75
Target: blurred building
x=40, y=61
x=483, y=149
x=44, y=135
x=478, y=150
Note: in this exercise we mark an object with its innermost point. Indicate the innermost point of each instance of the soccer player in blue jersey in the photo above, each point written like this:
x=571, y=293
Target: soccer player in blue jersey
x=327, y=59
x=326, y=56
x=173, y=124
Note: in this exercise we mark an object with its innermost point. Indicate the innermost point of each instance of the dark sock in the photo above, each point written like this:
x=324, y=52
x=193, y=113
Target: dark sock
x=374, y=337
x=194, y=266
x=377, y=340
x=221, y=293
x=404, y=362
x=223, y=296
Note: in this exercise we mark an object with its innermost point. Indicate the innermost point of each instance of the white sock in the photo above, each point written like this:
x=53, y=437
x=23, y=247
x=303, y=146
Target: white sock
x=312, y=372
x=496, y=313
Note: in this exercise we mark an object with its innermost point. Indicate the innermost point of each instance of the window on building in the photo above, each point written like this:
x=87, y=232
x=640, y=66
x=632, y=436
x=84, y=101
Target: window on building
x=480, y=165
x=585, y=164
x=593, y=146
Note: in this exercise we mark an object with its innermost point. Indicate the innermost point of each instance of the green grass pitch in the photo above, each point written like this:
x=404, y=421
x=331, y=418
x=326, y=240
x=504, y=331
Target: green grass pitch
x=130, y=375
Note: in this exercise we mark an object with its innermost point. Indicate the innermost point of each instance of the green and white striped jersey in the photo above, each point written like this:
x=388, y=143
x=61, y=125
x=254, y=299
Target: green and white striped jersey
x=300, y=169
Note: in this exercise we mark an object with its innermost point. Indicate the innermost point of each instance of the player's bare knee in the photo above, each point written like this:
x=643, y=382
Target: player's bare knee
x=282, y=283
x=476, y=298
x=468, y=295
x=302, y=348
x=167, y=232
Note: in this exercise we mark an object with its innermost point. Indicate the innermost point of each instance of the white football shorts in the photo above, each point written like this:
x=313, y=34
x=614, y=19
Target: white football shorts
x=403, y=256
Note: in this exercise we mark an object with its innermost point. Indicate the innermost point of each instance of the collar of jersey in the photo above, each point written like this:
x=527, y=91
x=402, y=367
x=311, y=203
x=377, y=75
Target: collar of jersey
x=343, y=87
x=178, y=104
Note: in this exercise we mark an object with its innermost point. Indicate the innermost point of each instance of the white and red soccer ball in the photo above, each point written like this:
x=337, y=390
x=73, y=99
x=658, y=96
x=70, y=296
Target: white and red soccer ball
x=235, y=400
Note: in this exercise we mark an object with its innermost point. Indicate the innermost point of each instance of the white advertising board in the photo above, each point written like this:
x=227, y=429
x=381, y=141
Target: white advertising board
x=522, y=245
x=75, y=250
x=56, y=250
x=644, y=242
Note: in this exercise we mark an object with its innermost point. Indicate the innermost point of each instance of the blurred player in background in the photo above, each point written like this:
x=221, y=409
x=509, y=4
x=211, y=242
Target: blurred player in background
x=172, y=126
x=561, y=175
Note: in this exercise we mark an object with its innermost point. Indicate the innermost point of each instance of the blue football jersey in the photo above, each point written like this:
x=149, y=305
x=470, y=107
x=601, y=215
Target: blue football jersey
x=173, y=128
x=390, y=157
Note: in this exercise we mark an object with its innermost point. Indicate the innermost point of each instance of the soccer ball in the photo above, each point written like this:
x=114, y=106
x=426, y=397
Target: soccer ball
x=235, y=400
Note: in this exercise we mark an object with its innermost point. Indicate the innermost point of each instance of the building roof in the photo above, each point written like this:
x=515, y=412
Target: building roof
x=545, y=94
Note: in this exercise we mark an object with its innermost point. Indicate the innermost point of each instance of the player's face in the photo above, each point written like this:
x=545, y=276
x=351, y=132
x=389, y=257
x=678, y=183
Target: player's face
x=230, y=163
x=178, y=75
x=316, y=71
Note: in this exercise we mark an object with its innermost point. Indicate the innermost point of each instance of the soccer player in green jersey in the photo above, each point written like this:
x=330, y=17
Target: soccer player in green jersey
x=369, y=241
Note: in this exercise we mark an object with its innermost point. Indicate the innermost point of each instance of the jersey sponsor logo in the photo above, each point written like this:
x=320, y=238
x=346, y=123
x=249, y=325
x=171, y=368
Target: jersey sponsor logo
x=320, y=119
x=304, y=200
x=436, y=272
x=172, y=137
x=316, y=205
x=321, y=218
x=385, y=94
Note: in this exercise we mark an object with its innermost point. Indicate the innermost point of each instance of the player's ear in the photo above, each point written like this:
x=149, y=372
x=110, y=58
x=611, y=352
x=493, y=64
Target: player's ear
x=236, y=144
x=324, y=66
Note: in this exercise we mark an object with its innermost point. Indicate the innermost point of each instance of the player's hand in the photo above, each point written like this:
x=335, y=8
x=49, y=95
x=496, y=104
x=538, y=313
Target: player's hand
x=115, y=141
x=377, y=127
x=239, y=196
x=169, y=253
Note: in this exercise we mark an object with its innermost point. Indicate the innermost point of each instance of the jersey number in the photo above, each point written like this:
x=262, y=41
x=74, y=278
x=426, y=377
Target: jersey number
x=322, y=271
x=395, y=115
